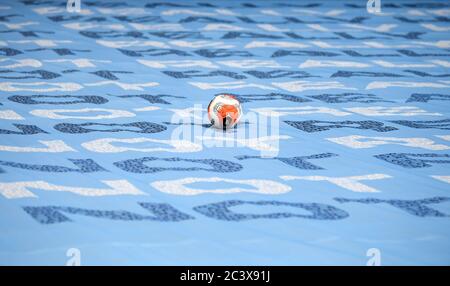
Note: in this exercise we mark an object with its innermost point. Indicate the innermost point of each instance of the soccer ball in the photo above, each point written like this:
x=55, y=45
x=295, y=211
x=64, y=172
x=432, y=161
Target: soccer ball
x=224, y=111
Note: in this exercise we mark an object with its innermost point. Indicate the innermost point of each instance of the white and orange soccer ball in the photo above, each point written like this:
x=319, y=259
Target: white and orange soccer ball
x=224, y=111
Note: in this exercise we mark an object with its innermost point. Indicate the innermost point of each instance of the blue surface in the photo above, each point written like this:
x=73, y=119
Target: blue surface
x=404, y=213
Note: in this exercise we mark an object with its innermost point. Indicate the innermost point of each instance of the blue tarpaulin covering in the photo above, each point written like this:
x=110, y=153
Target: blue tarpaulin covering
x=342, y=156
